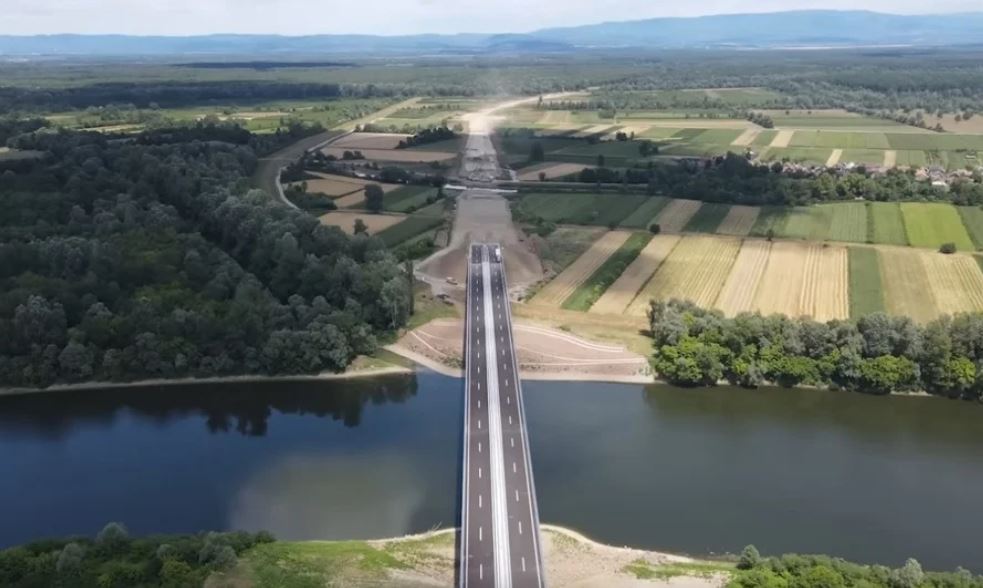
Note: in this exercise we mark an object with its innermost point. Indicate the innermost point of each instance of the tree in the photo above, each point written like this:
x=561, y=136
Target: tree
x=655, y=228
x=374, y=197
x=360, y=227
x=536, y=152
x=542, y=176
x=947, y=248
x=600, y=160
x=750, y=558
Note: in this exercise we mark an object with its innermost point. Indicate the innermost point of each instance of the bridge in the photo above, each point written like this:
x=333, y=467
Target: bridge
x=500, y=543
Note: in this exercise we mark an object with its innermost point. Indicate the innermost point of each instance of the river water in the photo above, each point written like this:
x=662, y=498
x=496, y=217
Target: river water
x=695, y=471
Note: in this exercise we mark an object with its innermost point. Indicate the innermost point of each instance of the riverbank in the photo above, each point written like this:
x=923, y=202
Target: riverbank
x=428, y=559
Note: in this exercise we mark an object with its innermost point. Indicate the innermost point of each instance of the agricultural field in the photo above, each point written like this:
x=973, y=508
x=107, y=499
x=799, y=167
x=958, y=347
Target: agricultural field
x=866, y=289
x=972, y=217
x=408, y=198
x=345, y=221
x=561, y=247
x=550, y=171
x=561, y=287
x=738, y=293
x=394, y=155
x=708, y=218
x=412, y=226
x=739, y=220
x=579, y=208
x=644, y=215
x=617, y=297
x=677, y=214
x=932, y=224
x=695, y=270
x=335, y=186
x=804, y=279
x=594, y=287
x=907, y=288
x=885, y=223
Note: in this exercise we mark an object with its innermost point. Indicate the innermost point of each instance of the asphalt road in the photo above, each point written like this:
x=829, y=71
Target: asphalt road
x=500, y=521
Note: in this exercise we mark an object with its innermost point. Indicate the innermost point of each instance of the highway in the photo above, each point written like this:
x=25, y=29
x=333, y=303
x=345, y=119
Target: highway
x=500, y=543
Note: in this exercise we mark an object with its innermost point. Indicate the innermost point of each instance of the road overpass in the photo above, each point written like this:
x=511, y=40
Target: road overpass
x=500, y=543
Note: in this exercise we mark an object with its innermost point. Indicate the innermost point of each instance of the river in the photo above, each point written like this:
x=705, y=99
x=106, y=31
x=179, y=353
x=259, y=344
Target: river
x=696, y=471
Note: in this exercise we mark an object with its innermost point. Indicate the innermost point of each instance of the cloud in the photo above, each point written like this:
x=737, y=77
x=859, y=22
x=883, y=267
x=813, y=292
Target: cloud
x=387, y=17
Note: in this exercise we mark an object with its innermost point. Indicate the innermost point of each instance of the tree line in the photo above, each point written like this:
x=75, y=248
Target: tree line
x=151, y=257
x=876, y=354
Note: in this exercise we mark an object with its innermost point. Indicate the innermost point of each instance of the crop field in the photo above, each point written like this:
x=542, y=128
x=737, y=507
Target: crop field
x=907, y=287
x=584, y=209
x=972, y=217
x=739, y=290
x=935, y=141
x=848, y=221
x=617, y=297
x=804, y=279
x=866, y=290
x=956, y=280
x=399, y=155
x=840, y=139
x=336, y=186
x=708, y=218
x=345, y=221
x=885, y=223
x=739, y=220
x=782, y=139
x=561, y=247
x=834, y=119
x=594, y=287
x=408, y=198
x=644, y=215
x=677, y=215
x=695, y=270
x=370, y=141
x=746, y=138
x=563, y=285
x=932, y=224
x=806, y=222
x=413, y=225
x=551, y=171
x=910, y=158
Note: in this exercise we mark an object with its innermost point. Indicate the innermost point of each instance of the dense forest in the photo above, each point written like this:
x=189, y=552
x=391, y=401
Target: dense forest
x=126, y=258
x=114, y=559
x=877, y=353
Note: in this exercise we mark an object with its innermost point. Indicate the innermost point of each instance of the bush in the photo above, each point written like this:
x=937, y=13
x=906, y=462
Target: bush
x=655, y=228
x=948, y=248
x=750, y=558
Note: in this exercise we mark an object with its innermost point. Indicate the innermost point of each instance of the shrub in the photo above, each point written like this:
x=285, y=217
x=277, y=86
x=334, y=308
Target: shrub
x=948, y=248
x=655, y=228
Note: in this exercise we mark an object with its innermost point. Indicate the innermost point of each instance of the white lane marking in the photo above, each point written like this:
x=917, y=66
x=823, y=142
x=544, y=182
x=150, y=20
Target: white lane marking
x=523, y=564
x=520, y=527
x=479, y=446
x=479, y=404
x=479, y=424
x=513, y=467
x=510, y=419
x=481, y=571
x=479, y=473
x=479, y=499
x=512, y=439
x=507, y=400
x=517, y=496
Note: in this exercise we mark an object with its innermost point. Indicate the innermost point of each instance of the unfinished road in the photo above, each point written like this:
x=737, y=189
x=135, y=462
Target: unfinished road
x=500, y=543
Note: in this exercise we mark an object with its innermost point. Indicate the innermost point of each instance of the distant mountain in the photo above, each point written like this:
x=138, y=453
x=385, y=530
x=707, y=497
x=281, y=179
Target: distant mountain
x=807, y=28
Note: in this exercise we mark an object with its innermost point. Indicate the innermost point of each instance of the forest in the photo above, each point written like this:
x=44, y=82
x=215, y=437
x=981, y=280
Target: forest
x=151, y=257
x=876, y=354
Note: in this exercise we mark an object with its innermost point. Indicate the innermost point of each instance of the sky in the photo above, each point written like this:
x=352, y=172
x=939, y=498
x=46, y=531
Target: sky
x=387, y=17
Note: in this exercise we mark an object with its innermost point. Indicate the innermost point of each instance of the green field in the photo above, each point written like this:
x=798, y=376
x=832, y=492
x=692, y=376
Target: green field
x=848, y=221
x=408, y=198
x=972, y=217
x=643, y=216
x=771, y=221
x=764, y=138
x=839, y=139
x=885, y=223
x=593, y=288
x=932, y=224
x=708, y=218
x=805, y=222
x=580, y=209
x=866, y=293
x=411, y=227
x=809, y=155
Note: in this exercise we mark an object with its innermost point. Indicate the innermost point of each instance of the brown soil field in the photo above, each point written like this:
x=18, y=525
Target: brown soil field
x=741, y=286
x=401, y=155
x=890, y=158
x=739, y=220
x=346, y=220
x=353, y=200
x=782, y=139
x=746, y=138
x=676, y=214
x=907, y=286
x=628, y=130
x=577, y=272
x=370, y=141
x=617, y=297
x=804, y=279
x=699, y=123
x=552, y=170
x=972, y=126
x=956, y=280
x=335, y=186
x=695, y=270
x=834, y=157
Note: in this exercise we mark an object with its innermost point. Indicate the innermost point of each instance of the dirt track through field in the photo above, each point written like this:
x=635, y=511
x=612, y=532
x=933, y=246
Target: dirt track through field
x=908, y=288
x=746, y=138
x=577, y=273
x=739, y=290
x=676, y=214
x=957, y=283
x=804, y=279
x=834, y=157
x=695, y=270
x=782, y=139
x=890, y=158
x=739, y=220
x=617, y=298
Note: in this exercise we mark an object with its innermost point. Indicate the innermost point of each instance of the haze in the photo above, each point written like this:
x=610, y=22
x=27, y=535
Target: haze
x=388, y=17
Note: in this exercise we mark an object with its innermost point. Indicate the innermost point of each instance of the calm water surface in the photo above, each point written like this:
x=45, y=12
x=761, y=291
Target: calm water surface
x=698, y=471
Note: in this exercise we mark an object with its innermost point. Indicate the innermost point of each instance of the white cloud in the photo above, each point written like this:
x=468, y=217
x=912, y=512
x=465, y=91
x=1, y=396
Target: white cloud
x=388, y=17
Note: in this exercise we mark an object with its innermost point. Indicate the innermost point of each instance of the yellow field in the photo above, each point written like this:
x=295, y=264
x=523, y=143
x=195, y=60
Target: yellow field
x=739, y=290
x=907, y=288
x=890, y=158
x=956, y=280
x=804, y=279
x=739, y=220
x=350, y=201
x=746, y=138
x=370, y=141
x=346, y=221
x=695, y=270
x=782, y=139
x=563, y=285
x=552, y=170
x=402, y=155
x=834, y=157
x=676, y=214
x=623, y=290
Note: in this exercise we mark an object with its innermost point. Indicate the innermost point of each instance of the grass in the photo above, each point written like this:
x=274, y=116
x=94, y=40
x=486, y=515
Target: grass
x=972, y=217
x=594, y=287
x=409, y=228
x=806, y=222
x=848, y=221
x=771, y=221
x=708, y=218
x=312, y=564
x=561, y=247
x=885, y=224
x=932, y=224
x=407, y=198
x=581, y=209
x=646, y=213
x=644, y=570
x=866, y=290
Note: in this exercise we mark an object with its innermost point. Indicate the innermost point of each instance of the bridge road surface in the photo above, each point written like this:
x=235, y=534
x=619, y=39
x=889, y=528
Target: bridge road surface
x=500, y=544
